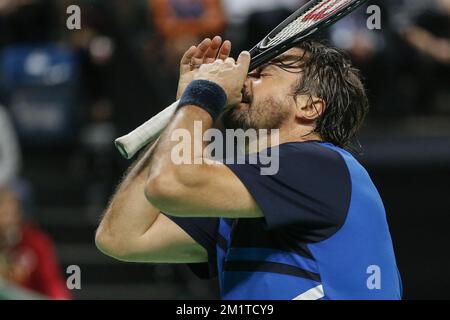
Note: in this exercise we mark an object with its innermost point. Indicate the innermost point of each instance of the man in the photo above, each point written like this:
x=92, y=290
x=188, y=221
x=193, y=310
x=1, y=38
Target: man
x=315, y=230
x=27, y=257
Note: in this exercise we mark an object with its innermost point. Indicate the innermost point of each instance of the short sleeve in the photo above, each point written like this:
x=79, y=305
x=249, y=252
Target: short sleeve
x=308, y=196
x=204, y=232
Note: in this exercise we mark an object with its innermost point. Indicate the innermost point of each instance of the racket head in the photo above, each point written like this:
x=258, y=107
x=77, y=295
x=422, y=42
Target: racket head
x=312, y=17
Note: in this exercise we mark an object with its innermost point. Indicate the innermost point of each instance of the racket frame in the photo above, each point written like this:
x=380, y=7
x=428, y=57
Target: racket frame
x=261, y=53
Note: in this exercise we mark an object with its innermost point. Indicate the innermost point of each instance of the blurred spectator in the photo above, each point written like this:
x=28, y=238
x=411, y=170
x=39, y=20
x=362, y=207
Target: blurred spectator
x=249, y=21
x=372, y=52
x=26, y=21
x=238, y=11
x=10, y=158
x=183, y=23
x=188, y=18
x=425, y=28
x=27, y=258
x=352, y=35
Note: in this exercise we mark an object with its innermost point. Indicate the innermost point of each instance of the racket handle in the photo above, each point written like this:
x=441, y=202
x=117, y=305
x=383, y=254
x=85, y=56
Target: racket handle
x=133, y=142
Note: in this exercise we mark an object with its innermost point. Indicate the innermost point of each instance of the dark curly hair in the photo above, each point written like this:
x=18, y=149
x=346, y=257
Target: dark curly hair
x=328, y=74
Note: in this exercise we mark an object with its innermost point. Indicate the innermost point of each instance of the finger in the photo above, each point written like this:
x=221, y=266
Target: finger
x=202, y=48
x=244, y=60
x=211, y=54
x=188, y=55
x=230, y=61
x=225, y=50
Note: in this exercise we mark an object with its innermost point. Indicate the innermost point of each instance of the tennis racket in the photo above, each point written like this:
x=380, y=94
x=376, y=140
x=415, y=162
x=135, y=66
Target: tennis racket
x=314, y=16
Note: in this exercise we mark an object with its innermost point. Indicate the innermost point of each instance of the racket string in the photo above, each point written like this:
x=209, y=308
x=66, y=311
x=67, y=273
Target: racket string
x=320, y=11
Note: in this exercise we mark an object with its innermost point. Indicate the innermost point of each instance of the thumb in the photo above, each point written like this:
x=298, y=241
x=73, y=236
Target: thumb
x=244, y=60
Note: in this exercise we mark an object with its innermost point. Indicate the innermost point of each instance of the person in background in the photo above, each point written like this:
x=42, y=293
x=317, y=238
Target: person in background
x=183, y=22
x=184, y=18
x=371, y=51
x=27, y=257
x=250, y=20
x=16, y=17
x=424, y=27
x=10, y=157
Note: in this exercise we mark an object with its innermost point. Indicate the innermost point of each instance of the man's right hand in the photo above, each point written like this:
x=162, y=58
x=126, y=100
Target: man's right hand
x=228, y=74
x=206, y=52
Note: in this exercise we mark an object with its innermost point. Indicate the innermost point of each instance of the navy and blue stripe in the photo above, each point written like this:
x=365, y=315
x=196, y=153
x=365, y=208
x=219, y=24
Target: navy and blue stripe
x=324, y=226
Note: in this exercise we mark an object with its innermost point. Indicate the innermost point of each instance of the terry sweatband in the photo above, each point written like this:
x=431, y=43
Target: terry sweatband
x=206, y=95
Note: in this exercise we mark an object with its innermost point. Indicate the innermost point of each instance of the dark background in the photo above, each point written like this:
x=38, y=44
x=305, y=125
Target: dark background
x=124, y=70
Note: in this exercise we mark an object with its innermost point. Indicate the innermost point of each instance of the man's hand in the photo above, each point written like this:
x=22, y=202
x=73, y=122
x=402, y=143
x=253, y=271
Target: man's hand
x=228, y=74
x=206, y=52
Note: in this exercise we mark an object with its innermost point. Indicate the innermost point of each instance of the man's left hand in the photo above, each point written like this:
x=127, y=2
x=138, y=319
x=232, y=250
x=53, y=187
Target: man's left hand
x=206, y=52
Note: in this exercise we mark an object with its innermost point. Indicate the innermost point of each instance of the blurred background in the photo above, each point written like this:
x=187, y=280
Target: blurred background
x=66, y=94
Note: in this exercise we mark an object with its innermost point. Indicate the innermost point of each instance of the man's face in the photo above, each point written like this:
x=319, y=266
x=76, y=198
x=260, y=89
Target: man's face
x=268, y=100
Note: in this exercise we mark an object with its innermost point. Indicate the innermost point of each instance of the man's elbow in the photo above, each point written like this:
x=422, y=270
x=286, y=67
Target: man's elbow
x=110, y=245
x=167, y=191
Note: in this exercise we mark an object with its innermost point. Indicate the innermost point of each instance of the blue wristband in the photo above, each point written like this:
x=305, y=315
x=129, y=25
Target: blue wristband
x=206, y=95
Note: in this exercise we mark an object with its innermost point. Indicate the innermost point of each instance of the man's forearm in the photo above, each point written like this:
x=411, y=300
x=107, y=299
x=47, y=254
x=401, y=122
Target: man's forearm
x=202, y=102
x=129, y=214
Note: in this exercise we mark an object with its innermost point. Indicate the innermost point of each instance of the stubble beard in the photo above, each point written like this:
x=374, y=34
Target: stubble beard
x=268, y=114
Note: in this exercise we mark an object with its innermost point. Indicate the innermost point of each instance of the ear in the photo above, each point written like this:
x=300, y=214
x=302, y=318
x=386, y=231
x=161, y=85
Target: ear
x=310, y=108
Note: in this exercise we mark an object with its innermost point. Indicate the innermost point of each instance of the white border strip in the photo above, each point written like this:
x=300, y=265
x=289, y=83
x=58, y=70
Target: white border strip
x=315, y=293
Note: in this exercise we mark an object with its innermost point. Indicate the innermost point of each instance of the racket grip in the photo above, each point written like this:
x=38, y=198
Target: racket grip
x=133, y=142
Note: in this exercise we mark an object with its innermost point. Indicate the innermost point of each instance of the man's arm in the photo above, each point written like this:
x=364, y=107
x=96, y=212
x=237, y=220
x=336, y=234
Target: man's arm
x=427, y=43
x=132, y=229
x=201, y=190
